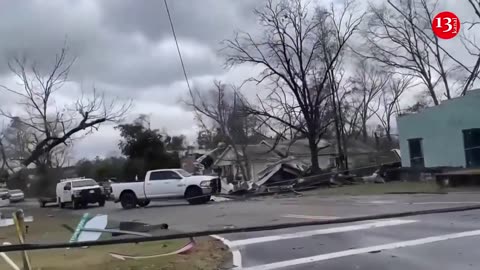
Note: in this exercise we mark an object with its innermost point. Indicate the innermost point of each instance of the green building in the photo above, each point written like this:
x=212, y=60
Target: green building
x=444, y=135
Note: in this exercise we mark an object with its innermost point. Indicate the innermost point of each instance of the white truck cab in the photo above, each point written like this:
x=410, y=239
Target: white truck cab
x=79, y=192
x=166, y=184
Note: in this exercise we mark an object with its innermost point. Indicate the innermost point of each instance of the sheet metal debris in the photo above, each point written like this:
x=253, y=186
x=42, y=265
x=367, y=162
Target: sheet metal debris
x=79, y=228
x=185, y=249
x=91, y=231
x=115, y=231
x=90, y=228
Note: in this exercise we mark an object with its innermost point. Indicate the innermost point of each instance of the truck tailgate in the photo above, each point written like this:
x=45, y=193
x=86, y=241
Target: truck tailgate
x=136, y=187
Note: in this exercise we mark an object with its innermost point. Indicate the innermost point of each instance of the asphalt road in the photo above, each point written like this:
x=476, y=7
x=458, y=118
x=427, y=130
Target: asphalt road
x=390, y=244
x=440, y=241
x=270, y=210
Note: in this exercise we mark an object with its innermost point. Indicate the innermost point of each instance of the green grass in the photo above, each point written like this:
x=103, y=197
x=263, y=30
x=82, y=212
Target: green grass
x=207, y=254
x=391, y=187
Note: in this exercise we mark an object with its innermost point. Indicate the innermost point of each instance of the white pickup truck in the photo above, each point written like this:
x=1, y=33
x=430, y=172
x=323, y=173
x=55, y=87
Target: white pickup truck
x=166, y=184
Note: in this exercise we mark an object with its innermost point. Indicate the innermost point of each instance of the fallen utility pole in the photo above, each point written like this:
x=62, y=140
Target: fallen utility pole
x=234, y=230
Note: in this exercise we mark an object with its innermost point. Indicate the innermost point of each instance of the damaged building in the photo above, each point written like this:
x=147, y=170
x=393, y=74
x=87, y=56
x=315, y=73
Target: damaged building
x=273, y=162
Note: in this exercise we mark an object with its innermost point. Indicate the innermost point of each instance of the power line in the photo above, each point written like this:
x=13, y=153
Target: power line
x=178, y=47
x=133, y=240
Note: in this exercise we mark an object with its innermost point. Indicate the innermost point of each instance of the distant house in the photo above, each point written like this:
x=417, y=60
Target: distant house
x=445, y=135
x=270, y=159
x=359, y=153
x=258, y=155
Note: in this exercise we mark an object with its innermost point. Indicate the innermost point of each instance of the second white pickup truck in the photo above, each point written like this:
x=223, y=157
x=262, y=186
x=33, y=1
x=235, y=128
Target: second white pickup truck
x=166, y=184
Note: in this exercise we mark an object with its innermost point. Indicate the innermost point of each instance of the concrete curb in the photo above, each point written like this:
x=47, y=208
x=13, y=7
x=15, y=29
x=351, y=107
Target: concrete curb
x=413, y=193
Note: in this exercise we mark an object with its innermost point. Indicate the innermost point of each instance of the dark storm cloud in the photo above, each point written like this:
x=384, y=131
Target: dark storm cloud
x=125, y=48
x=209, y=21
x=122, y=42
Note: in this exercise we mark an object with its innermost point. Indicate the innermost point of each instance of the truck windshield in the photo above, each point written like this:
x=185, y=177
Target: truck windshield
x=183, y=173
x=84, y=183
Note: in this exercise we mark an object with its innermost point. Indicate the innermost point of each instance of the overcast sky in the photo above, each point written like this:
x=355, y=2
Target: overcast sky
x=125, y=48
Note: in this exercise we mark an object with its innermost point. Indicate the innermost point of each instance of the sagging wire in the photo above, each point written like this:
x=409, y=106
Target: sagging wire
x=270, y=227
x=178, y=47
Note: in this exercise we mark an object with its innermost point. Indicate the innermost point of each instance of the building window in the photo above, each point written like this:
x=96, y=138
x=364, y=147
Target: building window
x=416, y=153
x=471, y=141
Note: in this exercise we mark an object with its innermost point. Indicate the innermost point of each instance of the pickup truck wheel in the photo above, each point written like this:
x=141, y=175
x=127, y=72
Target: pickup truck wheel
x=128, y=200
x=193, y=195
x=101, y=203
x=75, y=204
x=60, y=203
x=143, y=203
x=206, y=199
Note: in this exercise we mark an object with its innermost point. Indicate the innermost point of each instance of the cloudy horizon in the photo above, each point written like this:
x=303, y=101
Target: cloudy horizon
x=125, y=48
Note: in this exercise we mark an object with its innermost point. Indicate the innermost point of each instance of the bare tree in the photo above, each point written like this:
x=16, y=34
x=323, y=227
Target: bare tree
x=16, y=143
x=298, y=49
x=46, y=126
x=367, y=83
x=399, y=35
x=389, y=101
x=3, y=156
x=219, y=105
x=475, y=4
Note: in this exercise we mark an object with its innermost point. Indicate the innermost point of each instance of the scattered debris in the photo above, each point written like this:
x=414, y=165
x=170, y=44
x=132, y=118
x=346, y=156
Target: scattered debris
x=80, y=225
x=220, y=199
x=284, y=172
x=140, y=227
x=97, y=223
x=183, y=250
x=115, y=231
x=374, y=178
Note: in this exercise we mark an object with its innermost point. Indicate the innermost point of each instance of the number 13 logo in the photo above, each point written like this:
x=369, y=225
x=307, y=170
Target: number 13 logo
x=446, y=25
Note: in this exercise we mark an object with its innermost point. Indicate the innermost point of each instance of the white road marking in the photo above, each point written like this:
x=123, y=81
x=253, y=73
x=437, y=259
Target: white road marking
x=237, y=256
x=356, y=227
x=351, y=252
x=309, y=217
x=445, y=202
x=378, y=202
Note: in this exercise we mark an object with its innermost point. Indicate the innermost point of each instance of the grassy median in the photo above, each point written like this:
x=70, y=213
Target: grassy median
x=208, y=253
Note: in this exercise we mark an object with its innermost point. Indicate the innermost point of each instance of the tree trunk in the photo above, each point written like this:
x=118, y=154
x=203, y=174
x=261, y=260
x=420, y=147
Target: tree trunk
x=339, y=128
x=315, y=169
x=242, y=162
x=42, y=186
x=388, y=129
x=364, y=130
x=345, y=149
x=389, y=136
